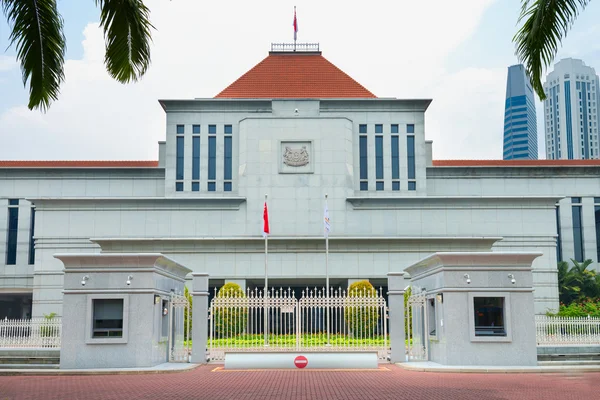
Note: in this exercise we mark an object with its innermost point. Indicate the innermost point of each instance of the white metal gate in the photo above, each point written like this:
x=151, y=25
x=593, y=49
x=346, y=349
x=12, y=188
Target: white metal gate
x=416, y=326
x=315, y=322
x=179, y=333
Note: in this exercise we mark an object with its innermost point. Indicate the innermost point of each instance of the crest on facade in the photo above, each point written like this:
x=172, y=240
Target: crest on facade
x=295, y=157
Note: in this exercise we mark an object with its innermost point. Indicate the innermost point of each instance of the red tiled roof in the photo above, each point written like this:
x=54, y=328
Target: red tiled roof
x=78, y=164
x=297, y=76
x=514, y=163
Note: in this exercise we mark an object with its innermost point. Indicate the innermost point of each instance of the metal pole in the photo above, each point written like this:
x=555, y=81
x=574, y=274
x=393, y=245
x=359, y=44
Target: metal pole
x=266, y=294
x=327, y=276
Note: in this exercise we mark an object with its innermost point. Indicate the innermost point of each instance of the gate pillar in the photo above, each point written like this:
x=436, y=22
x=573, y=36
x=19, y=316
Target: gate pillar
x=396, y=284
x=199, y=317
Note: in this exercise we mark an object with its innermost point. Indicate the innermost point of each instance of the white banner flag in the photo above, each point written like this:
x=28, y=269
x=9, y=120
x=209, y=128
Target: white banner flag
x=326, y=223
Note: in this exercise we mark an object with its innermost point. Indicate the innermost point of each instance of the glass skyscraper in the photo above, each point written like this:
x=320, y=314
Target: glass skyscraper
x=520, y=125
x=571, y=111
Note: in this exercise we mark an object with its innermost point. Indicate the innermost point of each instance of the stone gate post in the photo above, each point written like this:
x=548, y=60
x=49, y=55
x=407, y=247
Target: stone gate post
x=396, y=284
x=199, y=317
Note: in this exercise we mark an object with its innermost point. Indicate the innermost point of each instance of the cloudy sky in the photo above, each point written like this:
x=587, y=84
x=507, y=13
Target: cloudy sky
x=455, y=52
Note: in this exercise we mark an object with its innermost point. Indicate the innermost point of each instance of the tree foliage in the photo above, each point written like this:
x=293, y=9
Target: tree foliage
x=231, y=318
x=545, y=24
x=37, y=32
x=577, y=283
x=361, y=317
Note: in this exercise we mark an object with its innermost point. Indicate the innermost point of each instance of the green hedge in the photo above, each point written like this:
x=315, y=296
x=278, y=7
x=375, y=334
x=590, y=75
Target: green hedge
x=361, y=320
x=230, y=321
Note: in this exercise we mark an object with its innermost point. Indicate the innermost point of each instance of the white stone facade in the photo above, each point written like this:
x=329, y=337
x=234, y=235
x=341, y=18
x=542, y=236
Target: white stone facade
x=135, y=209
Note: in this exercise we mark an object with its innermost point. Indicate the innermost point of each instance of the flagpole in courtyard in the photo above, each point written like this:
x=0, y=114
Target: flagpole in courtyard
x=266, y=294
x=326, y=229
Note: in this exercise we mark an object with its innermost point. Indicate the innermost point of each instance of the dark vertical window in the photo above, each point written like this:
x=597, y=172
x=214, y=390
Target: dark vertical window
x=212, y=158
x=179, y=166
x=394, y=128
x=395, y=157
x=212, y=129
x=597, y=216
x=195, y=186
x=410, y=146
x=577, y=229
x=13, y=229
x=378, y=157
x=558, y=239
x=378, y=128
x=180, y=129
x=362, y=128
x=179, y=186
x=410, y=128
x=31, y=234
x=228, y=160
x=363, y=162
x=196, y=129
x=196, y=157
x=228, y=129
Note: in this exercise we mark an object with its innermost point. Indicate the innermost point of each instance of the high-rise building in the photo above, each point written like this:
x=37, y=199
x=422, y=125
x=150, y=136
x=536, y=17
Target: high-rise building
x=520, y=124
x=571, y=111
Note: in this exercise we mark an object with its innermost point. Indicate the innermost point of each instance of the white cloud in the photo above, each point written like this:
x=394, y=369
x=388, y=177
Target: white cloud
x=395, y=49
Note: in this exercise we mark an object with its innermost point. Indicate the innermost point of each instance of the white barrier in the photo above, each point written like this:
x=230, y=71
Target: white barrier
x=345, y=360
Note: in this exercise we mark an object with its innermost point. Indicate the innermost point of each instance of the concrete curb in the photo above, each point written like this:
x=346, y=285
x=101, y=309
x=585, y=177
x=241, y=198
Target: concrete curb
x=100, y=371
x=431, y=367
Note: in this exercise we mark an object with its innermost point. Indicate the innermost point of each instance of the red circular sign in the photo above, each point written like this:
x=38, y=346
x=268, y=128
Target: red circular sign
x=300, y=362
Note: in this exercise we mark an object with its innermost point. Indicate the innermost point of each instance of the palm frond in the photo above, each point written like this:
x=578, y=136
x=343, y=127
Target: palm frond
x=37, y=33
x=127, y=30
x=546, y=23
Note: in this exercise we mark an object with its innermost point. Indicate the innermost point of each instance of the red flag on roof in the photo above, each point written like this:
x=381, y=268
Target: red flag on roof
x=265, y=221
x=295, y=24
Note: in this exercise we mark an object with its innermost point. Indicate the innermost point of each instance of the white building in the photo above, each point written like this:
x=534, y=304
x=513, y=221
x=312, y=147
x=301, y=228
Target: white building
x=571, y=111
x=294, y=127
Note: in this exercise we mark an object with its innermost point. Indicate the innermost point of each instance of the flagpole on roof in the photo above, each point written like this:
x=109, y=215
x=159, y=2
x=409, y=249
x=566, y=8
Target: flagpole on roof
x=326, y=232
x=266, y=294
x=295, y=28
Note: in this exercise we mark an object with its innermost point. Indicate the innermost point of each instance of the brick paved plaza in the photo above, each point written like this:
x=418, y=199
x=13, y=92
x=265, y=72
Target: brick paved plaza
x=390, y=382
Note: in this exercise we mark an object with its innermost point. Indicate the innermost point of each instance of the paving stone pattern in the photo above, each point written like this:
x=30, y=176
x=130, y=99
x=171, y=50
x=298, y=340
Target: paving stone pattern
x=389, y=383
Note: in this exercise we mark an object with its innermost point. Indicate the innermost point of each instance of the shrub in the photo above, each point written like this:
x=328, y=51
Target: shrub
x=230, y=319
x=584, y=308
x=361, y=317
x=187, y=315
x=47, y=329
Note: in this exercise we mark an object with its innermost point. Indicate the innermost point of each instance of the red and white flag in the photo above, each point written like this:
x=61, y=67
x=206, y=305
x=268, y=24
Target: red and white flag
x=295, y=25
x=265, y=221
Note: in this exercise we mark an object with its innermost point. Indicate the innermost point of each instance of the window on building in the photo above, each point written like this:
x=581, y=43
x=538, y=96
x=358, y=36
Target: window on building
x=180, y=147
x=597, y=217
x=228, y=160
x=180, y=129
x=379, y=162
x=212, y=162
x=410, y=145
x=489, y=316
x=378, y=128
x=31, y=236
x=362, y=128
x=196, y=158
x=196, y=129
x=410, y=128
x=107, y=318
x=362, y=144
x=431, y=318
x=212, y=129
x=13, y=229
x=412, y=185
x=179, y=186
x=395, y=161
x=228, y=129
x=558, y=238
x=577, y=229
x=195, y=186
x=394, y=128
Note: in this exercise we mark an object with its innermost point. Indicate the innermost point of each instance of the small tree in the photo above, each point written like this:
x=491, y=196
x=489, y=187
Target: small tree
x=230, y=316
x=361, y=317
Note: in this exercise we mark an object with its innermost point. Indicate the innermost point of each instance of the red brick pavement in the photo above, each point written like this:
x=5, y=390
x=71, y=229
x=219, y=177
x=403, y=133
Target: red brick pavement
x=392, y=383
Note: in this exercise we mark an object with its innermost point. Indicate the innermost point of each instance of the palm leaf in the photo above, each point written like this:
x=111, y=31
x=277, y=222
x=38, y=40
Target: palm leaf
x=37, y=33
x=127, y=29
x=546, y=23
